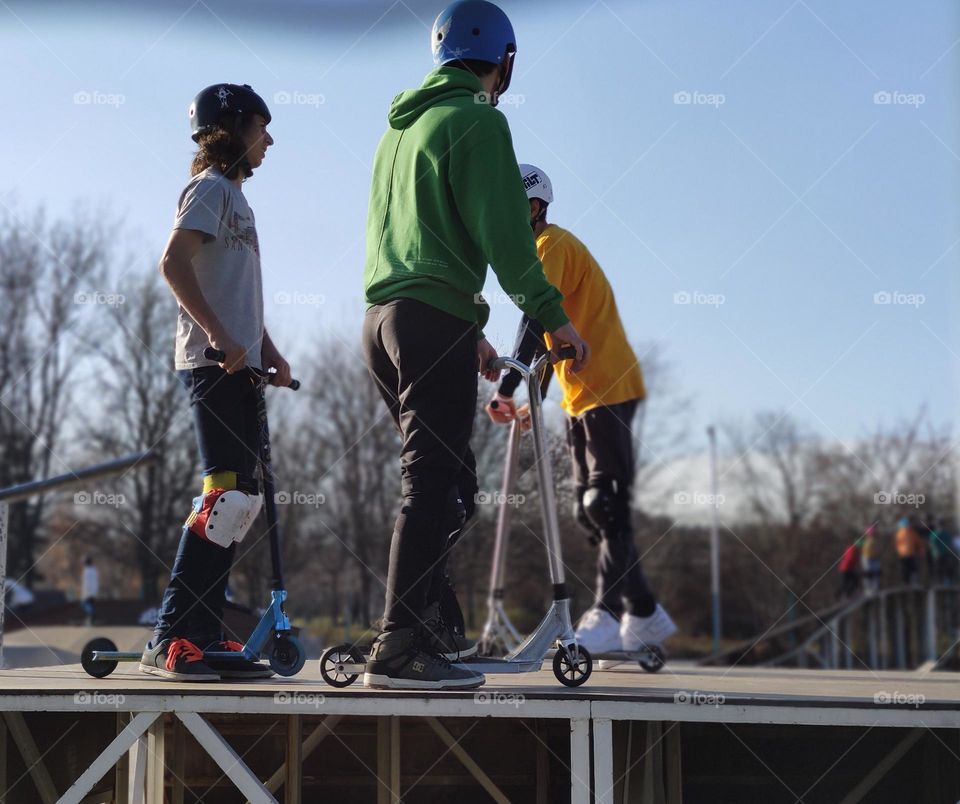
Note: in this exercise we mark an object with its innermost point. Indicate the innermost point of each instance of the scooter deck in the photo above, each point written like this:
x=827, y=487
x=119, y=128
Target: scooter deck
x=488, y=664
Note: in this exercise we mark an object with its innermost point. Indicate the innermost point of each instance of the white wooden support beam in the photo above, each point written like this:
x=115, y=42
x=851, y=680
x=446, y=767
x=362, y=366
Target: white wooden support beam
x=156, y=762
x=138, y=771
x=603, y=760
x=227, y=758
x=179, y=763
x=317, y=736
x=32, y=758
x=293, y=779
x=468, y=762
x=879, y=770
x=579, y=760
x=119, y=746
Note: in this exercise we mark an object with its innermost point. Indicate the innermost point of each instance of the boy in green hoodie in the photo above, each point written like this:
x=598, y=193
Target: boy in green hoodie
x=446, y=200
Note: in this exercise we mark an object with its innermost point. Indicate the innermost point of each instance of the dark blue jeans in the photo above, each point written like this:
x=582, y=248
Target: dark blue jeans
x=225, y=421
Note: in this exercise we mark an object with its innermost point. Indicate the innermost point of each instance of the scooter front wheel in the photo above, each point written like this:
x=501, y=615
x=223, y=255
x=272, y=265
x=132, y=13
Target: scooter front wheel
x=98, y=668
x=287, y=656
x=332, y=662
x=572, y=665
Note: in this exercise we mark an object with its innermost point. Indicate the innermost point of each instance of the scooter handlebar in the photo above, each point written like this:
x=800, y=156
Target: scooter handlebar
x=215, y=354
x=503, y=363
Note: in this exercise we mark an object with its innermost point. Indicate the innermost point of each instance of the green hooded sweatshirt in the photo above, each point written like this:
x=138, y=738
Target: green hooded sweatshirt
x=447, y=200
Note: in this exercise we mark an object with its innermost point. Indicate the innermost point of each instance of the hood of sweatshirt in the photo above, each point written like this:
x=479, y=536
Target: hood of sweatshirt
x=442, y=84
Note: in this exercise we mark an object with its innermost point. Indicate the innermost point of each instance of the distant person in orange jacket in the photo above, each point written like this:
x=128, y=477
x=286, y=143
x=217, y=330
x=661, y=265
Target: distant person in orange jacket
x=909, y=549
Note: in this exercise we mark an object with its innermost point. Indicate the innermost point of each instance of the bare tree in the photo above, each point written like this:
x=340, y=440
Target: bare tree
x=144, y=406
x=48, y=275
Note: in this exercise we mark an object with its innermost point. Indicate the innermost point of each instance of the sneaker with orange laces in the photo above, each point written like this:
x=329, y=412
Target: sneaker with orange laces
x=177, y=659
x=238, y=668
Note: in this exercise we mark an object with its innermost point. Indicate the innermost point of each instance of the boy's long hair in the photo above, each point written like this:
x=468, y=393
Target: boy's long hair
x=223, y=150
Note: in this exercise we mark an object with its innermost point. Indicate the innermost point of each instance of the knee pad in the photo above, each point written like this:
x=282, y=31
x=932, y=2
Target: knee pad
x=224, y=515
x=603, y=509
x=580, y=515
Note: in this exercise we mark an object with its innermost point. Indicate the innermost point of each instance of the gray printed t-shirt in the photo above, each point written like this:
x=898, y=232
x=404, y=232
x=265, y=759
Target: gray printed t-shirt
x=227, y=267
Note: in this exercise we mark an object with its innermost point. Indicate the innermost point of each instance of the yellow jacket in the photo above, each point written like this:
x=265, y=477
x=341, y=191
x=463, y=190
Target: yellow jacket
x=612, y=374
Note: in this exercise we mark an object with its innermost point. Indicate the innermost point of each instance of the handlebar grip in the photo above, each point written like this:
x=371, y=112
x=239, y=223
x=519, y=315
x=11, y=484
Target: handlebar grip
x=218, y=356
x=567, y=353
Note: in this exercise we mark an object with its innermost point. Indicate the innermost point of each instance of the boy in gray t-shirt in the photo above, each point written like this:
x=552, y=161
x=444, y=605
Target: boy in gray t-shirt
x=227, y=267
x=212, y=264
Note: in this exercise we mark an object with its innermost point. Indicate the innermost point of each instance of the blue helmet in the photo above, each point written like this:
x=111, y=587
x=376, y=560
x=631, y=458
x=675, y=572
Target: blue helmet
x=472, y=29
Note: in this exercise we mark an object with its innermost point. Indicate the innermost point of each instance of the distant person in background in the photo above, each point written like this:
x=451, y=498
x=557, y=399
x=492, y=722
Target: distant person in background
x=870, y=560
x=941, y=544
x=908, y=549
x=956, y=553
x=848, y=570
x=89, y=588
x=923, y=525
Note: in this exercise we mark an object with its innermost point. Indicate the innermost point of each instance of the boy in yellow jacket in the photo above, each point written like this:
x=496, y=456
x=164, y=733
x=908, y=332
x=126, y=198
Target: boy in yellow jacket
x=600, y=401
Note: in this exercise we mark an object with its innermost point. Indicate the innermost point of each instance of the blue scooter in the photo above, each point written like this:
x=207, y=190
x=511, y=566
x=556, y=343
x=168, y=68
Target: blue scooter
x=272, y=638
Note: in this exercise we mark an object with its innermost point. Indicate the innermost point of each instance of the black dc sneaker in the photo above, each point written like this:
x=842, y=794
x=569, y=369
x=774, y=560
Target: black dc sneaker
x=446, y=641
x=405, y=660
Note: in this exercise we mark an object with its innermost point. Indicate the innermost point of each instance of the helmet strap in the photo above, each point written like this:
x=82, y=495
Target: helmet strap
x=540, y=215
x=506, y=73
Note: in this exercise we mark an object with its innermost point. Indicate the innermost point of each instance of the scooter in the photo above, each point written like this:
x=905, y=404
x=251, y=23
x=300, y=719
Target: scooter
x=341, y=665
x=286, y=654
x=499, y=636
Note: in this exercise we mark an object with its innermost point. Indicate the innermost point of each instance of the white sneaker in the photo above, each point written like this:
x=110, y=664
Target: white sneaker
x=598, y=631
x=636, y=633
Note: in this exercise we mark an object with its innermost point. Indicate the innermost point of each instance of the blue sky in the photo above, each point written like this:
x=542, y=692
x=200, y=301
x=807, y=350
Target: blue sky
x=781, y=199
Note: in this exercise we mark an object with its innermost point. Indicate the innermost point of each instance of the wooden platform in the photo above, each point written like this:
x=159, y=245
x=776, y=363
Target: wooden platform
x=602, y=750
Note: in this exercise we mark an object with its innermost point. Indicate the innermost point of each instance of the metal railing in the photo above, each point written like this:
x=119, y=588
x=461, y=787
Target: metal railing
x=23, y=491
x=900, y=627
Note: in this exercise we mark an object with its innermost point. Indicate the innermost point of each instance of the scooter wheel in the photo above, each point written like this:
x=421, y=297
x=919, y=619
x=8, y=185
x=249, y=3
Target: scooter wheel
x=287, y=656
x=572, y=665
x=332, y=661
x=99, y=668
x=654, y=660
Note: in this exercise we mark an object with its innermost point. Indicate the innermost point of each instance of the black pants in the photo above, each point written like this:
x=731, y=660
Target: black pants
x=424, y=362
x=225, y=422
x=601, y=449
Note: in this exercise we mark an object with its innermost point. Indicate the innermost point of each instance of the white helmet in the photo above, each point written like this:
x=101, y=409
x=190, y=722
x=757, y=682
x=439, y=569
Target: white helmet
x=536, y=183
